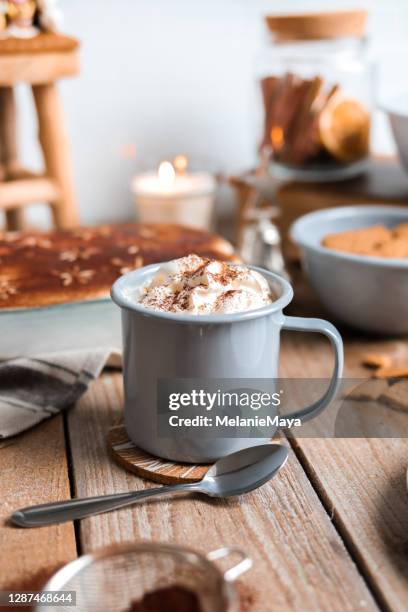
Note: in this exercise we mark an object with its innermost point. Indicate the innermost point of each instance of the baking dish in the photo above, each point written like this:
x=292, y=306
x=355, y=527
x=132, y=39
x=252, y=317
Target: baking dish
x=70, y=326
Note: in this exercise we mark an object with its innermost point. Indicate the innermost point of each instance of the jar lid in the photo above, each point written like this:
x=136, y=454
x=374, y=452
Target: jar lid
x=317, y=26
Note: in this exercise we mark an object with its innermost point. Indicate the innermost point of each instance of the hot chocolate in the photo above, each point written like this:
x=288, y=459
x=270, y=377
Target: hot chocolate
x=197, y=285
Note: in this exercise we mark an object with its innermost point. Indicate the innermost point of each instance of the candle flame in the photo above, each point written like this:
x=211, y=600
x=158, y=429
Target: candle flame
x=277, y=137
x=180, y=162
x=167, y=174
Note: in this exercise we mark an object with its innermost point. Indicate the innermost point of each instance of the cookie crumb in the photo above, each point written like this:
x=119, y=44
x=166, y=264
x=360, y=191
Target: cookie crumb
x=376, y=360
x=393, y=372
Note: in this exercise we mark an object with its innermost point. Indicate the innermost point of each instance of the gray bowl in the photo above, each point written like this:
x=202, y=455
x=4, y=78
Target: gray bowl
x=370, y=293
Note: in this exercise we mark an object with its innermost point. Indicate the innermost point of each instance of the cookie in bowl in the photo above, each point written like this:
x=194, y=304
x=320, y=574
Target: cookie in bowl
x=355, y=259
x=374, y=241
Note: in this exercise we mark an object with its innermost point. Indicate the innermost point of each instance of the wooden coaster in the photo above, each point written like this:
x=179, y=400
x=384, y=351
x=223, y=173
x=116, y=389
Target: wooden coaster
x=148, y=466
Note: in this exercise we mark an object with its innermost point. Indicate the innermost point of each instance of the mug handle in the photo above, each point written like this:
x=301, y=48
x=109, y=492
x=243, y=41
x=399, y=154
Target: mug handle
x=327, y=329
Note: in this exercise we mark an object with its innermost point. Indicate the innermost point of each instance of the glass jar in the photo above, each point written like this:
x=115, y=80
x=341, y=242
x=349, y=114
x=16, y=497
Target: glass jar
x=316, y=85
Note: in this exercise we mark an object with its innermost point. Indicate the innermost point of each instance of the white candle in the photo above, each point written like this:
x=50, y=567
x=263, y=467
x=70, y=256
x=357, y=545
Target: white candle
x=180, y=197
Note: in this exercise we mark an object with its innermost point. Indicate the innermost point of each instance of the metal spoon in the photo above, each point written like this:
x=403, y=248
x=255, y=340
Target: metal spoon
x=234, y=474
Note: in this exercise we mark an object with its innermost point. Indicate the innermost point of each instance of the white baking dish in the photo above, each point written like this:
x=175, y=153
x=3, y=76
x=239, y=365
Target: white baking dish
x=76, y=325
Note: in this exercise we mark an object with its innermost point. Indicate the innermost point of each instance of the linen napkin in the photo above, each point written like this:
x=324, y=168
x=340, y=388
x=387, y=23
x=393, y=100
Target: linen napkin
x=35, y=388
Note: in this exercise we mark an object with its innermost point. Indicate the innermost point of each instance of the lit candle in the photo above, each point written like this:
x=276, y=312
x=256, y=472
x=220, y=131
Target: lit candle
x=173, y=195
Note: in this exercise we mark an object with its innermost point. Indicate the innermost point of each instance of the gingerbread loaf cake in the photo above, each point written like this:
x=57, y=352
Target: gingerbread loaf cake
x=46, y=268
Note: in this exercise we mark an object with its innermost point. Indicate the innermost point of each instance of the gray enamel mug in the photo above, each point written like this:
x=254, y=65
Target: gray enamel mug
x=161, y=345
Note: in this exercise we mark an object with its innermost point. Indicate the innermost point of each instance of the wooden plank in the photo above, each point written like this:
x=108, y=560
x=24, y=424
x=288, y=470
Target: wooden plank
x=362, y=482
x=33, y=469
x=300, y=562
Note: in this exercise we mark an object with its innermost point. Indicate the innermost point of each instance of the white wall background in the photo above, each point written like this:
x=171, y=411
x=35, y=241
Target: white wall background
x=160, y=78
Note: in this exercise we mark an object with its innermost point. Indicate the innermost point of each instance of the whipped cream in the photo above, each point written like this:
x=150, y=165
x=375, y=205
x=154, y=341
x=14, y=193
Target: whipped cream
x=197, y=285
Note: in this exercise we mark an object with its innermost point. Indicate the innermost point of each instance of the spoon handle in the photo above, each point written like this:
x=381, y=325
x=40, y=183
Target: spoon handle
x=71, y=509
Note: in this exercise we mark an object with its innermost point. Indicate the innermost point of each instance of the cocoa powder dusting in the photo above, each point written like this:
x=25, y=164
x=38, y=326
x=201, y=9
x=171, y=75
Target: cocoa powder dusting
x=247, y=597
x=224, y=297
x=168, y=599
x=227, y=274
x=201, y=265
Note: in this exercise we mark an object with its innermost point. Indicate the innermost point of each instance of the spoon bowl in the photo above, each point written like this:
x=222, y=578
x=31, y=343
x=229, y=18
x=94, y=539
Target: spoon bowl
x=244, y=470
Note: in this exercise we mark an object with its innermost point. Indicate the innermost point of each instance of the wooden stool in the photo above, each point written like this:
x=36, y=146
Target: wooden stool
x=39, y=62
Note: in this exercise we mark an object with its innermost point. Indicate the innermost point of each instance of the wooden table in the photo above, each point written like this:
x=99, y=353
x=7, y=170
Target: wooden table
x=329, y=533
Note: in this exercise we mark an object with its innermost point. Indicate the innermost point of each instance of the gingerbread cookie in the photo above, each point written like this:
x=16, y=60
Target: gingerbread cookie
x=401, y=230
x=375, y=241
x=400, y=371
x=363, y=241
x=396, y=248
